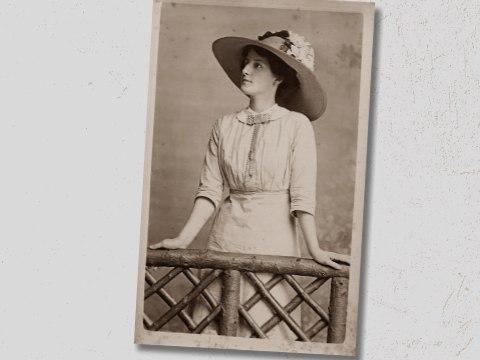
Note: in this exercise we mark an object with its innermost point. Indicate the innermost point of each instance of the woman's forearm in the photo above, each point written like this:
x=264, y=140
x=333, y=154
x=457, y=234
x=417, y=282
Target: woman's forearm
x=201, y=212
x=309, y=229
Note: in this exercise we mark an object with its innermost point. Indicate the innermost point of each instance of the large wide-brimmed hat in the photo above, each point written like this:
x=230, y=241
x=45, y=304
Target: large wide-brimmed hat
x=294, y=50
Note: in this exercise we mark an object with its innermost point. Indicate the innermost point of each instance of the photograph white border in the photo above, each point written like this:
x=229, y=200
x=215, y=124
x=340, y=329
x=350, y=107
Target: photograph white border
x=348, y=347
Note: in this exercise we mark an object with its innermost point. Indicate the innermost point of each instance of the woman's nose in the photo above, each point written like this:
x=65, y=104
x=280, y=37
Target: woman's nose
x=245, y=69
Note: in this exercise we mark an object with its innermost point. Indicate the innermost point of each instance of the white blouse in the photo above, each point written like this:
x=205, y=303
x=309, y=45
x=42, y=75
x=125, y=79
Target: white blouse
x=271, y=151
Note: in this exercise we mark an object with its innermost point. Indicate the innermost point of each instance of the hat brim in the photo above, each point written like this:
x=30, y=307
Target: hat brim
x=309, y=99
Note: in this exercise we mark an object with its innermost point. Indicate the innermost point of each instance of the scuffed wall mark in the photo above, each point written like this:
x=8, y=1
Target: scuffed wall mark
x=461, y=285
x=446, y=304
x=397, y=22
x=123, y=92
x=465, y=347
x=463, y=172
x=464, y=327
x=458, y=292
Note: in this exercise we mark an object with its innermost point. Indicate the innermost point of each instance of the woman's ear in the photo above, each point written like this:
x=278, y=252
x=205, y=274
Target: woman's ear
x=278, y=80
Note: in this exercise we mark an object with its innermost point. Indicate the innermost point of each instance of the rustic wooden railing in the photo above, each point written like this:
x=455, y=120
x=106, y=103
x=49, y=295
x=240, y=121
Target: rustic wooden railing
x=230, y=267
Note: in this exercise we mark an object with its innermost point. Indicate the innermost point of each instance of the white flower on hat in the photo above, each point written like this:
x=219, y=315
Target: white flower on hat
x=296, y=46
x=301, y=49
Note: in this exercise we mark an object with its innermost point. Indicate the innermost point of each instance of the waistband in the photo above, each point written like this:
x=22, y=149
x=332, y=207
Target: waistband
x=246, y=192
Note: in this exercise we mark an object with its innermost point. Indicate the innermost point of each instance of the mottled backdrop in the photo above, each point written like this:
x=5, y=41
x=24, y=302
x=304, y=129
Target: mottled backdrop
x=193, y=90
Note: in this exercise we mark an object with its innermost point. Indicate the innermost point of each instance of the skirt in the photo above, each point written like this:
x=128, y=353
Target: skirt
x=254, y=223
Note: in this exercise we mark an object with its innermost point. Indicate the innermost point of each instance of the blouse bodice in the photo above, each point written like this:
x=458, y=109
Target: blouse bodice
x=271, y=151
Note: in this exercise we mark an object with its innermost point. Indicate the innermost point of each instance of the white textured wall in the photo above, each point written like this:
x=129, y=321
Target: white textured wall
x=73, y=90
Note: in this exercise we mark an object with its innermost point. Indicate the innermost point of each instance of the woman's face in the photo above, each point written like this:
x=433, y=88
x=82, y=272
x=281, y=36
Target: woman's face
x=257, y=77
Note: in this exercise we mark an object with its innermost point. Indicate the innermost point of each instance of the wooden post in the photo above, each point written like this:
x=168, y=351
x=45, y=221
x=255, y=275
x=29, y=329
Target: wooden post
x=230, y=302
x=338, y=310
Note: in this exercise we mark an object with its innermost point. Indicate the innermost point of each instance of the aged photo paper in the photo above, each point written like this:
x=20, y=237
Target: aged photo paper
x=254, y=180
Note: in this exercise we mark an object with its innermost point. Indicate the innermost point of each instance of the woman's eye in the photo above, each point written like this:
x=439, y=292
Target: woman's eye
x=258, y=66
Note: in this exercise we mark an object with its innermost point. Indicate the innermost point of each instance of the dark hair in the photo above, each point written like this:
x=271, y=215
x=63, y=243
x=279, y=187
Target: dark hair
x=279, y=68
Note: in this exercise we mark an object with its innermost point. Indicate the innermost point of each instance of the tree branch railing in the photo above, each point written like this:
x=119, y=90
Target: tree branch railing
x=229, y=268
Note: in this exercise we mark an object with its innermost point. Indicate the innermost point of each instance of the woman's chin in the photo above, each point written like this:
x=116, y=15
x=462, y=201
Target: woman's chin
x=246, y=89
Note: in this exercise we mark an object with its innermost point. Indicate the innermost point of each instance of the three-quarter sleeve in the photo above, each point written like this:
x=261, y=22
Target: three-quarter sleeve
x=303, y=169
x=211, y=181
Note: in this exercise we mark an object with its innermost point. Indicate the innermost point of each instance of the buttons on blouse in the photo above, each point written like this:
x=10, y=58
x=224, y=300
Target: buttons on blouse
x=250, y=167
x=255, y=121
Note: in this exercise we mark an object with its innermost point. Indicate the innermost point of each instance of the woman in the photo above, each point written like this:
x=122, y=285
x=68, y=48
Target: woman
x=266, y=156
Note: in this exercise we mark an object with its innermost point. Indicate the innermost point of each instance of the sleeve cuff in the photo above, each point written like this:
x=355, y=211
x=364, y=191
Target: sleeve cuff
x=308, y=208
x=213, y=197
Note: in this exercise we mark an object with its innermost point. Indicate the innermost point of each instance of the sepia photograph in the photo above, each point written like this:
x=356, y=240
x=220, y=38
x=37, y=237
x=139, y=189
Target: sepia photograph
x=240, y=179
x=254, y=180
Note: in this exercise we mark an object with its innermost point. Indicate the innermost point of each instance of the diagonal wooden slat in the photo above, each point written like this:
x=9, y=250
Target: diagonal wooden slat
x=186, y=299
x=207, y=320
x=316, y=328
x=257, y=296
x=293, y=304
x=306, y=297
x=171, y=302
x=147, y=322
x=277, y=307
x=205, y=293
x=244, y=313
x=162, y=282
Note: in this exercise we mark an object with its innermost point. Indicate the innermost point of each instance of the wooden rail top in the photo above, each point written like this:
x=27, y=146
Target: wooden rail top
x=275, y=264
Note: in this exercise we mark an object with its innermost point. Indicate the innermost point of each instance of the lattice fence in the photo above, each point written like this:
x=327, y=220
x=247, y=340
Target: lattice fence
x=227, y=310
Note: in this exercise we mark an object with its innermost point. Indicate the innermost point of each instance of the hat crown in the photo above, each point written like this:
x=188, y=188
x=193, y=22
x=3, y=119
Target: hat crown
x=291, y=44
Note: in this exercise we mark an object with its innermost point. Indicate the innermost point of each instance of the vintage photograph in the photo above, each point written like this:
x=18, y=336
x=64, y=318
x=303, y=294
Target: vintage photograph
x=254, y=179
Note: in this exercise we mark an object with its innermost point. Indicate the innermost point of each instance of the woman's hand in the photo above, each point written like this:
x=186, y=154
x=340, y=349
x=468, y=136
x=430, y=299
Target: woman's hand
x=327, y=257
x=174, y=243
x=202, y=210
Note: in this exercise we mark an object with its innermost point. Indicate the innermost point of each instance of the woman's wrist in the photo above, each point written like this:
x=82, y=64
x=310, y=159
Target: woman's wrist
x=185, y=238
x=314, y=248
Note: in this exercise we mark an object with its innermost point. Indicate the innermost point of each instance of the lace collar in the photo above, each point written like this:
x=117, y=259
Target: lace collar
x=250, y=117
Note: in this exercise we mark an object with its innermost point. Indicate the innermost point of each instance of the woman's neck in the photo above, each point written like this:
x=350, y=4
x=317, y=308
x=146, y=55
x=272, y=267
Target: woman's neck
x=260, y=104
